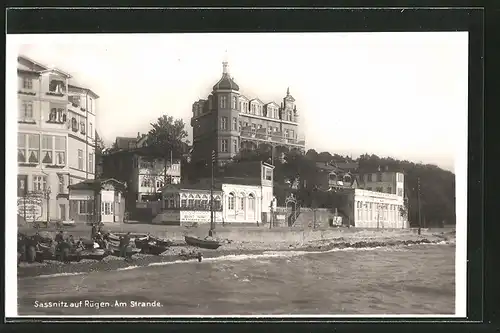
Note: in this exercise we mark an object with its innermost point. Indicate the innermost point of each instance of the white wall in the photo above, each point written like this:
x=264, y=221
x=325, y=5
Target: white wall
x=378, y=210
x=242, y=214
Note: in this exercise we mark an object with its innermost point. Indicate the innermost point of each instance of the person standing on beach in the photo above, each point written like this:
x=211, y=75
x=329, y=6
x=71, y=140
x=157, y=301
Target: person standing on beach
x=93, y=231
x=124, y=243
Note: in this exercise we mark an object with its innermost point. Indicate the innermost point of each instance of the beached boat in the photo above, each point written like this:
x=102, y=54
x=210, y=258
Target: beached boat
x=203, y=243
x=152, y=245
x=114, y=245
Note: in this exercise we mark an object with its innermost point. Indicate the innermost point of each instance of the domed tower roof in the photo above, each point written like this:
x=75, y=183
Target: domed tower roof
x=226, y=82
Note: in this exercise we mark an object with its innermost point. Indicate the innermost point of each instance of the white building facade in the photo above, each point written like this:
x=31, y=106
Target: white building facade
x=56, y=147
x=378, y=210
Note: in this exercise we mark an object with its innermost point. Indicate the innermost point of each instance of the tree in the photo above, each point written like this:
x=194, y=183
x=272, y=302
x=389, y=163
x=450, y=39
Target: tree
x=166, y=137
x=99, y=148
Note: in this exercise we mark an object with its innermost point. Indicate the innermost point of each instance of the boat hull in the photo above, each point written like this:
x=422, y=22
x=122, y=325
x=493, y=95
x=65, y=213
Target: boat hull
x=202, y=243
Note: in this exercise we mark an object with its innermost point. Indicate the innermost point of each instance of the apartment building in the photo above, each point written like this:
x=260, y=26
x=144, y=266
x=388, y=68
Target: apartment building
x=228, y=121
x=56, y=140
x=144, y=175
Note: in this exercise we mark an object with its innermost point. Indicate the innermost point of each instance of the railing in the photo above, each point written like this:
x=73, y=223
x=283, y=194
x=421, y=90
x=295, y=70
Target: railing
x=270, y=138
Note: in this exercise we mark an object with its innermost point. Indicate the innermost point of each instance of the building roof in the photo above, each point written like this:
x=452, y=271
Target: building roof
x=96, y=184
x=126, y=142
x=73, y=85
x=226, y=82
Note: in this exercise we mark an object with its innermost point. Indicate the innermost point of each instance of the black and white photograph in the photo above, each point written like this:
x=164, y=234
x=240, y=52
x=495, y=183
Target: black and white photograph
x=237, y=174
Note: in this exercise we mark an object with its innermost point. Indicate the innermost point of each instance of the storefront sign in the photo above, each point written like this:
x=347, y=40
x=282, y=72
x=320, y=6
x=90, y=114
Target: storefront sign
x=199, y=216
x=30, y=208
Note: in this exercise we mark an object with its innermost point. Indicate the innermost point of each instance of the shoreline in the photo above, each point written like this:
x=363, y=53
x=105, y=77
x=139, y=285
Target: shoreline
x=111, y=263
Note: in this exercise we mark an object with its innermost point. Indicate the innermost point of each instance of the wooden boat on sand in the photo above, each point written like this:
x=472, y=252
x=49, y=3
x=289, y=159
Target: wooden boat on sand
x=202, y=243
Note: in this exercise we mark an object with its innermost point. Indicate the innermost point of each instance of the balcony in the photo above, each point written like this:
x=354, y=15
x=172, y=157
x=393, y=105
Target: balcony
x=275, y=137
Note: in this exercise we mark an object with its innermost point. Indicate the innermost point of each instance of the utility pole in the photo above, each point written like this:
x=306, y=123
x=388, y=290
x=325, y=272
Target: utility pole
x=419, y=206
x=210, y=232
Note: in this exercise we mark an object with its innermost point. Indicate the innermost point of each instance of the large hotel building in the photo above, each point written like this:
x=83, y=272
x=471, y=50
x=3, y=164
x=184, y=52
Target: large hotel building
x=227, y=121
x=55, y=142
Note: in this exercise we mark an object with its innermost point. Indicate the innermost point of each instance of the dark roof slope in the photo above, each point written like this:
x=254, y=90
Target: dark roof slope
x=226, y=82
x=96, y=184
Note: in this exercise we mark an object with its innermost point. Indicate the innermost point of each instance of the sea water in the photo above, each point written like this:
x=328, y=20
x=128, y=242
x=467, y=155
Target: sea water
x=417, y=279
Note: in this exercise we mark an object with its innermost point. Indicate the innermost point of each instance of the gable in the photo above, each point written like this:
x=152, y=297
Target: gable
x=272, y=104
x=256, y=101
x=26, y=63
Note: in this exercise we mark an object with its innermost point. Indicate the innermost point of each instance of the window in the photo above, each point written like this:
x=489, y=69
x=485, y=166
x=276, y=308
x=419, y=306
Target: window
x=379, y=177
x=253, y=109
x=57, y=115
x=61, y=183
x=26, y=111
x=389, y=189
x=91, y=131
x=223, y=123
x=241, y=106
x=235, y=145
x=74, y=124
x=145, y=182
x=33, y=151
x=86, y=207
x=269, y=174
x=223, y=145
x=400, y=192
x=21, y=147
x=183, y=203
x=217, y=205
x=39, y=183
x=107, y=208
x=80, y=159
x=286, y=133
x=251, y=202
x=82, y=127
x=235, y=101
x=254, y=127
x=47, y=147
x=242, y=203
x=91, y=105
x=400, y=177
x=191, y=203
x=91, y=163
x=27, y=83
x=223, y=101
x=369, y=177
x=230, y=201
x=57, y=86
x=22, y=185
x=60, y=150
x=235, y=124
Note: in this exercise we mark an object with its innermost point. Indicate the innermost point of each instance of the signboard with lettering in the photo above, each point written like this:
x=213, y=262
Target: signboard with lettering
x=199, y=216
x=30, y=208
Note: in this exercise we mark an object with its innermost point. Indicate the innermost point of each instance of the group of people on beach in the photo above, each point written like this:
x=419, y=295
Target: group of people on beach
x=102, y=239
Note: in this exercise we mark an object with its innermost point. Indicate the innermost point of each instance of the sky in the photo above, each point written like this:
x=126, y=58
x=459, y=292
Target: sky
x=402, y=95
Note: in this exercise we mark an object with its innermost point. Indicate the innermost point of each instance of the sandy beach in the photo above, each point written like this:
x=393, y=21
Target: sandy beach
x=252, y=243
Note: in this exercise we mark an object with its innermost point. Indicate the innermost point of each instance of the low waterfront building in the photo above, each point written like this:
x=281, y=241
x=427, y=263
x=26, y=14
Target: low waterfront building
x=369, y=209
x=99, y=200
x=239, y=200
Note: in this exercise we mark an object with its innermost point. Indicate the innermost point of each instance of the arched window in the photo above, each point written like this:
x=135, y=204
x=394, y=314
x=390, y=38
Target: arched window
x=242, y=201
x=333, y=176
x=230, y=201
x=251, y=202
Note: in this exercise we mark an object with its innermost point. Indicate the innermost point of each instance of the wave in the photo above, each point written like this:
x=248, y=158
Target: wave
x=263, y=255
x=127, y=268
x=58, y=274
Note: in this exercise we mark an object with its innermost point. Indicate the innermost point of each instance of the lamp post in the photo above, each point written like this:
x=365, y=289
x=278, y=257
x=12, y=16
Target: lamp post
x=212, y=227
x=48, y=191
x=419, y=213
